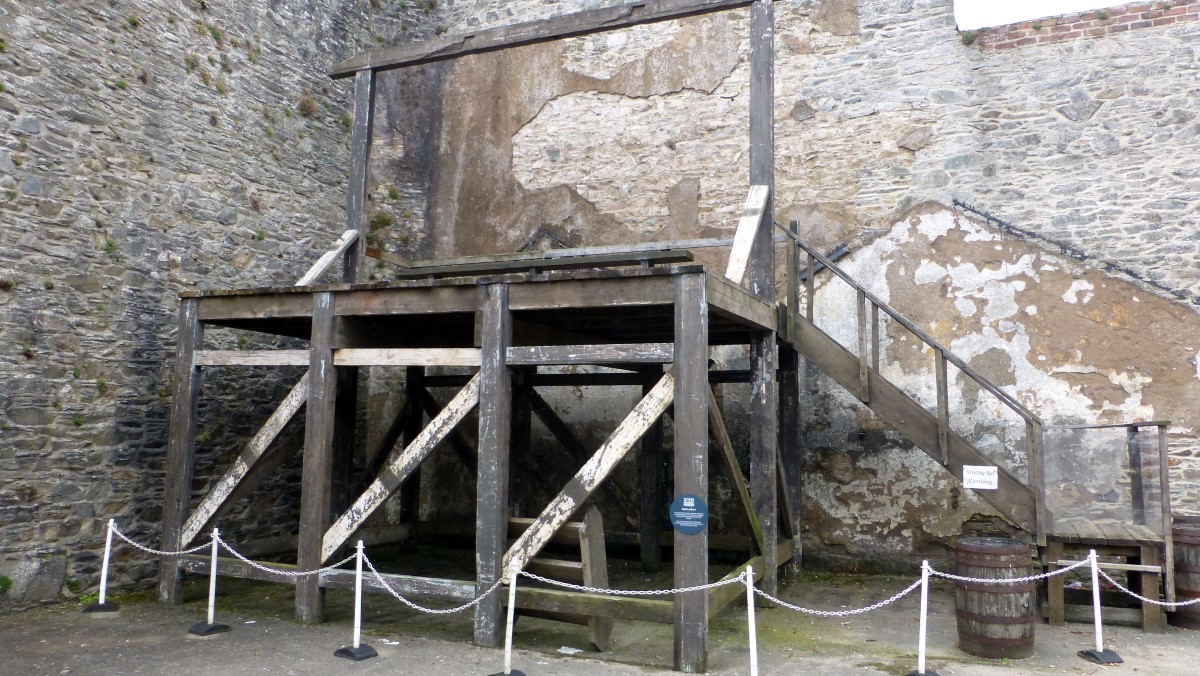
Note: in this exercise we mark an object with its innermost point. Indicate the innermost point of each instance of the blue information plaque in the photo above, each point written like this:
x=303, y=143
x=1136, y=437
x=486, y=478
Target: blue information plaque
x=689, y=514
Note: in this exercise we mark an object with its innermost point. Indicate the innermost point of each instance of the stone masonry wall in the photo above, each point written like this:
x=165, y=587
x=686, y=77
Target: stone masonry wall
x=150, y=147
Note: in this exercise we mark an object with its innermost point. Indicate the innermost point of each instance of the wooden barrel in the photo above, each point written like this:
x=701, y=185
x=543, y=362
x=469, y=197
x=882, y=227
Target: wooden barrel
x=1186, y=536
x=994, y=620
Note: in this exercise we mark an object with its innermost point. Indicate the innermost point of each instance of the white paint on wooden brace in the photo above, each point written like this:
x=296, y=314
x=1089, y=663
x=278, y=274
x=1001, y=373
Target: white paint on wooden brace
x=747, y=232
x=314, y=273
x=449, y=356
x=597, y=468
x=250, y=357
x=253, y=451
x=399, y=467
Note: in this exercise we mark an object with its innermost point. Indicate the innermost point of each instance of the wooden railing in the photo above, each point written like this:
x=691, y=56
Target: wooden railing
x=868, y=356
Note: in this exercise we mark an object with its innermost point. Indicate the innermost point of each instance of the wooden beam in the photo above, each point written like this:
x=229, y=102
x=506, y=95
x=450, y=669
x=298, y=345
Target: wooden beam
x=762, y=143
x=520, y=440
x=399, y=468
x=495, y=433
x=691, y=468
x=747, y=233
x=319, y=268
x=651, y=488
x=623, y=607
x=254, y=450
x=532, y=32
x=462, y=448
x=791, y=450
x=443, y=356
x=251, y=357
x=181, y=444
x=231, y=567
x=736, y=302
x=594, y=471
x=410, y=488
x=764, y=451
x=525, y=262
x=361, y=132
x=411, y=587
x=594, y=561
x=716, y=428
x=636, y=353
x=318, y=458
x=720, y=597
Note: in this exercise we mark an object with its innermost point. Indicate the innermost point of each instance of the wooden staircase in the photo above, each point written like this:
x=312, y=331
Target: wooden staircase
x=1022, y=503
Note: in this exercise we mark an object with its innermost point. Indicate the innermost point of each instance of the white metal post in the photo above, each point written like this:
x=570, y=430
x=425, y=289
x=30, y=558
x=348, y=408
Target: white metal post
x=512, y=608
x=212, y=580
x=104, y=567
x=751, y=629
x=358, y=596
x=924, y=614
x=1096, y=600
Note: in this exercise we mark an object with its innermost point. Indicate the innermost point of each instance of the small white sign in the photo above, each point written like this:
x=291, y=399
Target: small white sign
x=984, y=477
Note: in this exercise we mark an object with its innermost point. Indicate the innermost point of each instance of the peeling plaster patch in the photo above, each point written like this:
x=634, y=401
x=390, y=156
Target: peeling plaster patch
x=936, y=225
x=966, y=307
x=1196, y=361
x=1031, y=310
x=602, y=55
x=1078, y=285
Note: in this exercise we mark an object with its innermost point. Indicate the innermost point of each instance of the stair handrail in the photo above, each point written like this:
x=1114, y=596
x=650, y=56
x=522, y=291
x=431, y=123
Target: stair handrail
x=971, y=373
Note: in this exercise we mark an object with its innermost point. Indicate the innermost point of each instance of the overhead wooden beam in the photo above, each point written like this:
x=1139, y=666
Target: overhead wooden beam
x=716, y=427
x=594, y=471
x=399, y=468
x=444, y=356
x=258, y=444
x=654, y=353
x=532, y=32
x=181, y=444
x=746, y=236
x=251, y=357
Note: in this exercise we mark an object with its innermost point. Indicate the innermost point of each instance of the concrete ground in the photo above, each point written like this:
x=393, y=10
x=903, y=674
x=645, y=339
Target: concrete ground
x=146, y=638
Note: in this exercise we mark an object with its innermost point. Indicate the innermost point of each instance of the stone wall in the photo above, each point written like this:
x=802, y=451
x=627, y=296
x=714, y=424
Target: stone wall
x=152, y=147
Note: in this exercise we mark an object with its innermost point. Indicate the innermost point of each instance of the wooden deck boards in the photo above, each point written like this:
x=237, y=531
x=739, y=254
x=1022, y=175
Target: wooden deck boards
x=1087, y=532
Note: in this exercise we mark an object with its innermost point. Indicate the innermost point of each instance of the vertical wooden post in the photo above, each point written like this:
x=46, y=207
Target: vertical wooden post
x=1137, y=490
x=495, y=418
x=810, y=289
x=864, y=380
x=793, y=271
x=316, y=479
x=650, y=483
x=1164, y=485
x=354, y=260
x=1037, y=477
x=181, y=445
x=762, y=141
x=764, y=450
x=791, y=452
x=410, y=490
x=691, y=467
x=522, y=419
x=943, y=405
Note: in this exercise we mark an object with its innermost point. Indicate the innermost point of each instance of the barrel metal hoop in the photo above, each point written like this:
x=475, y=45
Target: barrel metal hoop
x=995, y=588
x=997, y=642
x=994, y=619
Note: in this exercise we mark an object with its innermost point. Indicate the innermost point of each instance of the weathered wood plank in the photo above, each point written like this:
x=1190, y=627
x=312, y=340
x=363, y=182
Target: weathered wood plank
x=864, y=372
x=746, y=234
x=791, y=450
x=657, y=353
x=943, y=406
x=622, y=607
x=410, y=488
x=532, y=32
x=691, y=468
x=258, y=444
x=594, y=471
x=736, y=302
x=594, y=561
x=539, y=261
x=319, y=268
x=442, y=356
x=400, y=467
x=764, y=451
x=362, y=129
x=520, y=441
x=651, y=488
x=181, y=444
x=762, y=143
x=231, y=567
x=1164, y=489
x=317, y=468
x=606, y=293
x=716, y=427
x=495, y=433
x=722, y=596
x=289, y=305
x=411, y=587
x=409, y=301
x=251, y=357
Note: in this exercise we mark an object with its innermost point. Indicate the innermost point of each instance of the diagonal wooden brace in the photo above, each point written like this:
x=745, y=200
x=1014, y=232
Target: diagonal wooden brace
x=399, y=467
x=254, y=450
x=716, y=426
x=593, y=472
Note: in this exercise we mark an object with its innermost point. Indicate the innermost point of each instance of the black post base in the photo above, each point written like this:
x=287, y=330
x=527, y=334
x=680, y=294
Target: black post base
x=922, y=673
x=514, y=672
x=1105, y=656
x=106, y=608
x=204, y=629
x=362, y=652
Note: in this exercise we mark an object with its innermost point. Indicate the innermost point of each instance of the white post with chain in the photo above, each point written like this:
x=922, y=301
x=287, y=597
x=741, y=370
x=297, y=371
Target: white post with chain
x=359, y=651
x=921, y=632
x=751, y=628
x=102, y=605
x=209, y=628
x=512, y=610
x=1096, y=600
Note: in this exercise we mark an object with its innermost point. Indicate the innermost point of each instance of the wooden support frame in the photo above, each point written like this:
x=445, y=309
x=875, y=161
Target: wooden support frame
x=181, y=444
x=362, y=129
x=764, y=450
x=547, y=355
x=317, y=471
x=691, y=469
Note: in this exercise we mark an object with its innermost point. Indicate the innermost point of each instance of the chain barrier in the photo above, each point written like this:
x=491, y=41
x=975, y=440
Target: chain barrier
x=838, y=613
x=1011, y=580
x=283, y=571
x=433, y=611
x=1171, y=605
x=740, y=579
x=158, y=552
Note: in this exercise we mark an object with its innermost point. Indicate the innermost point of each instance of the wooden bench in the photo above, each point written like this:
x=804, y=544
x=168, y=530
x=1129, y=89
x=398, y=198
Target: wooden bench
x=1143, y=550
x=590, y=570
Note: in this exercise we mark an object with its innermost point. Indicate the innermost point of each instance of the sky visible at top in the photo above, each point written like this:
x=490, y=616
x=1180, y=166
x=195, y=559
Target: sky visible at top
x=971, y=14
